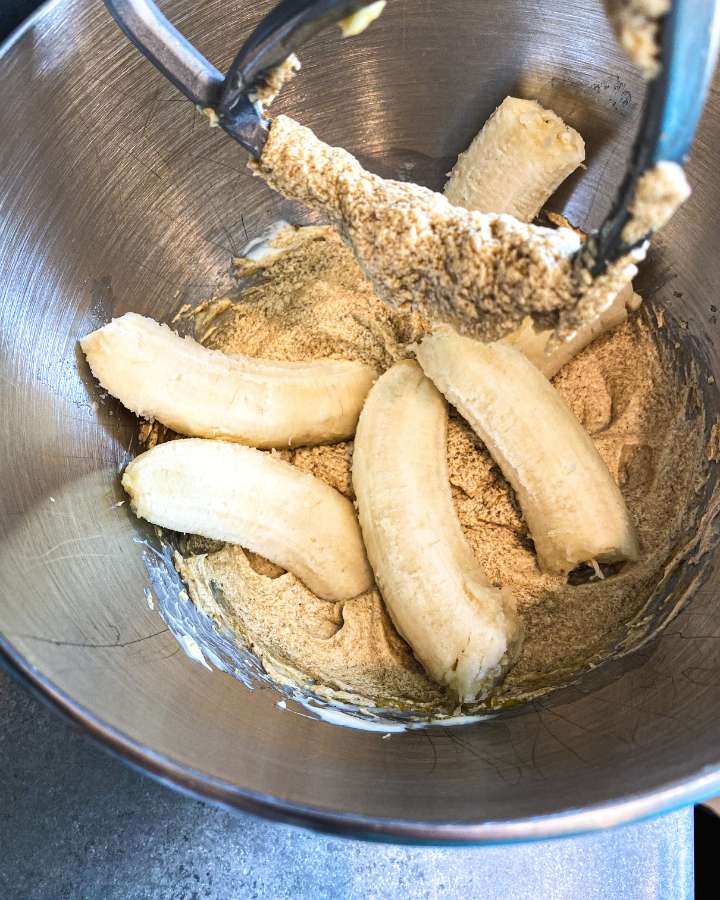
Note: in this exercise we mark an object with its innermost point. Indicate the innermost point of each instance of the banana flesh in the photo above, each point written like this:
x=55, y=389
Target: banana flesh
x=513, y=166
x=463, y=630
x=517, y=161
x=573, y=507
x=263, y=403
x=550, y=357
x=236, y=494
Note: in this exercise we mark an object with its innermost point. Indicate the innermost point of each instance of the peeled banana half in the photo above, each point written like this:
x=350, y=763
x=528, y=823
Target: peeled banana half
x=263, y=403
x=534, y=344
x=573, y=507
x=463, y=630
x=243, y=496
x=513, y=166
x=517, y=161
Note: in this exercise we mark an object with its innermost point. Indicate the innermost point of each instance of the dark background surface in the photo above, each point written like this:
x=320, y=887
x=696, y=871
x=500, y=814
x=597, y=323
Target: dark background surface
x=12, y=12
x=76, y=823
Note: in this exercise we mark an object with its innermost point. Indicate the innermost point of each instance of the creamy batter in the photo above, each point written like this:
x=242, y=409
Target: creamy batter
x=310, y=299
x=636, y=25
x=659, y=192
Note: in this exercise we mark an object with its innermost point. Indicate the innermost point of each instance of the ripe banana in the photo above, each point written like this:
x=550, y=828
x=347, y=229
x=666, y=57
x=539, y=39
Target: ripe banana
x=463, y=630
x=205, y=393
x=520, y=158
x=573, y=508
x=242, y=496
x=513, y=166
x=534, y=344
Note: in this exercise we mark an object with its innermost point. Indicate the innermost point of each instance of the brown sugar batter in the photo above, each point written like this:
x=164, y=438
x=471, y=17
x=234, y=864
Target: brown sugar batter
x=636, y=25
x=481, y=272
x=309, y=299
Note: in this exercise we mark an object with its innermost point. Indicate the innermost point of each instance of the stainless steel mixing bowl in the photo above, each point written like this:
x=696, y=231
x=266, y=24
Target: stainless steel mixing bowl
x=117, y=196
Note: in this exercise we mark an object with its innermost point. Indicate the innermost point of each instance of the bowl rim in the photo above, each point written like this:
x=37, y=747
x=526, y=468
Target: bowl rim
x=202, y=786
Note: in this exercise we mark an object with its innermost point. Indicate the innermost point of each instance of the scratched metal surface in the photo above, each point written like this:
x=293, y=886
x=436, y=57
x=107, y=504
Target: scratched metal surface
x=116, y=196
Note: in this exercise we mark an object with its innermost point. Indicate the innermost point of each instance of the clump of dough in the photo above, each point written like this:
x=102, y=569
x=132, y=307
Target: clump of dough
x=659, y=192
x=481, y=272
x=636, y=25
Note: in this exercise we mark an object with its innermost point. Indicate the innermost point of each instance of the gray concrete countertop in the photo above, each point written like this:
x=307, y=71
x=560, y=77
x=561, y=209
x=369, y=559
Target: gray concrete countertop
x=77, y=823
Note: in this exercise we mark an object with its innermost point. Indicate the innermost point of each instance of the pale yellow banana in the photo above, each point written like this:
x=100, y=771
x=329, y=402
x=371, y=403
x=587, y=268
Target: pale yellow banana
x=236, y=494
x=517, y=161
x=462, y=629
x=157, y=374
x=534, y=344
x=513, y=166
x=571, y=504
